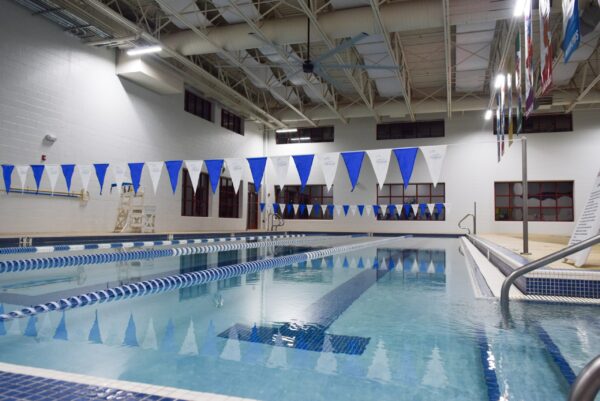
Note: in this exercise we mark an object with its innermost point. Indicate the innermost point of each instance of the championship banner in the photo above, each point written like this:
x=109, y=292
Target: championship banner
x=510, y=119
x=529, y=93
x=498, y=126
x=545, y=46
x=571, y=33
x=502, y=116
x=518, y=88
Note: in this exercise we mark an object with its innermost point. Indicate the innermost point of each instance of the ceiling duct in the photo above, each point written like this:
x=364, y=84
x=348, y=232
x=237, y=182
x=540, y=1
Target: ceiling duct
x=190, y=13
x=473, y=47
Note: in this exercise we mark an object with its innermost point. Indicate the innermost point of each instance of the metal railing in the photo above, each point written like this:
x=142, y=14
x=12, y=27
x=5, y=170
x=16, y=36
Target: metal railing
x=474, y=216
x=587, y=384
x=273, y=218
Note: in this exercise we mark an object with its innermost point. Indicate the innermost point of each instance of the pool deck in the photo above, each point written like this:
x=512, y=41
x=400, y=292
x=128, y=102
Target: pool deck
x=542, y=245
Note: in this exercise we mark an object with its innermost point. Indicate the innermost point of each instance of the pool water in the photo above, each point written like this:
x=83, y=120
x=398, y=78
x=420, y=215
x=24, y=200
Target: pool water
x=346, y=327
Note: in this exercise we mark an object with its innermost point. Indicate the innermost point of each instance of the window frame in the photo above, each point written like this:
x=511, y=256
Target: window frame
x=198, y=106
x=197, y=204
x=232, y=121
x=532, y=124
x=299, y=197
x=408, y=199
x=310, y=134
x=229, y=207
x=410, y=130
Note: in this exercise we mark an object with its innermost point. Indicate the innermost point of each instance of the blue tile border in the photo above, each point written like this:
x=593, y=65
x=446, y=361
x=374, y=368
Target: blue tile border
x=557, y=356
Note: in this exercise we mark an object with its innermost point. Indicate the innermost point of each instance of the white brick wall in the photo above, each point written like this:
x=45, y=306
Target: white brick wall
x=51, y=83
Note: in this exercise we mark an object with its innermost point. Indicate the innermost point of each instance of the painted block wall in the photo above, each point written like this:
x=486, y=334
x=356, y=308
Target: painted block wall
x=50, y=83
x=470, y=170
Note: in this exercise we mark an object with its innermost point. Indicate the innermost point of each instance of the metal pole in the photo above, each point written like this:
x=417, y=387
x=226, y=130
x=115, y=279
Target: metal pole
x=474, y=218
x=587, y=384
x=525, y=196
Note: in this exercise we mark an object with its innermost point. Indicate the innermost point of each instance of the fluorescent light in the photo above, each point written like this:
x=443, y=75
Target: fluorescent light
x=499, y=83
x=143, y=50
x=519, y=8
x=284, y=130
x=302, y=138
x=488, y=114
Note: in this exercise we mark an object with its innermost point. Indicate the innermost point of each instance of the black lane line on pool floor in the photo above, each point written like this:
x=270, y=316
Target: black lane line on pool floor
x=319, y=316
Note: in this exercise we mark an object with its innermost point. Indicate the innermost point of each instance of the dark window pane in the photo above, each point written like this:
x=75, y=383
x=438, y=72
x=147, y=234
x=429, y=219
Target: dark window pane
x=305, y=135
x=547, y=201
x=406, y=130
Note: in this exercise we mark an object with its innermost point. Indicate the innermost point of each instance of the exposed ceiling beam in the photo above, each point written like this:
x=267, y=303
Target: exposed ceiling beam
x=285, y=57
x=506, y=43
x=217, y=88
x=359, y=87
x=397, y=56
x=448, y=55
x=584, y=93
x=232, y=59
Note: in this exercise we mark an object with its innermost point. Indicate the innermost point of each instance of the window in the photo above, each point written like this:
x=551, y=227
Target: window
x=194, y=204
x=396, y=194
x=232, y=122
x=198, y=106
x=305, y=135
x=229, y=201
x=547, y=201
x=540, y=123
x=406, y=130
x=312, y=195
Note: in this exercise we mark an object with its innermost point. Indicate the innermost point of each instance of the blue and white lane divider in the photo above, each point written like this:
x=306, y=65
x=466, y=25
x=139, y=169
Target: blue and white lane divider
x=135, y=244
x=184, y=280
x=19, y=265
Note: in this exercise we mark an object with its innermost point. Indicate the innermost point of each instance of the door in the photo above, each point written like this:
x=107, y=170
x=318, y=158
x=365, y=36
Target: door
x=252, y=223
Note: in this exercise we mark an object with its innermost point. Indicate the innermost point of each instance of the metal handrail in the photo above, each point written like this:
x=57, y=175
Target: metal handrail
x=587, y=384
x=553, y=257
x=463, y=219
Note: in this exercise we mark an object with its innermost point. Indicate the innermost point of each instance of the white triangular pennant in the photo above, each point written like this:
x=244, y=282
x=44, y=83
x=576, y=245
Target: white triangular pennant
x=329, y=163
x=399, y=208
x=194, y=168
x=353, y=210
x=431, y=268
x=380, y=366
x=309, y=208
x=431, y=208
x=189, y=345
x=434, y=157
x=380, y=160
x=232, y=350
x=280, y=168
x=150, y=337
x=120, y=173
x=323, y=209
x=52, y=171
x=85, y=172
x=236, y=171
x=415, y=209
x=383, y=209
x=282, y=208
x=296, y=206
x=155, y=170
x=368, y=209
x=338, y=209
x=22, y=171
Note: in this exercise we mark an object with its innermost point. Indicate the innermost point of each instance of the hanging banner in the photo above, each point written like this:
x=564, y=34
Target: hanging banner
x=257, y=168
x=135, y=170
x=120, y=173
x=518, y=87
x=280, y=166
x=502, y=116
x=571, y=32
x=406, y=162
x=173, y=168
x=38, y=170
x=67, y=170
x=22, y=171
x=498, y=127
x=235, y=166
x=214, y=172
x=7, y=170
x=510, y=119
x=529, y=90
x=434, y=158
x=545, y=46
x=52, y=171
x=380, y=160
x=155, y=170
x=588, y=224
x=353, y=161
x=328, y=163
x=303, y=166
x=85, y=173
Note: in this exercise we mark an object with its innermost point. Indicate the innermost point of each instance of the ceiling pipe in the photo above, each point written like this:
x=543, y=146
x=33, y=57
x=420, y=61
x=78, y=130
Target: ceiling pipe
x=398, y=109
x=396, y=17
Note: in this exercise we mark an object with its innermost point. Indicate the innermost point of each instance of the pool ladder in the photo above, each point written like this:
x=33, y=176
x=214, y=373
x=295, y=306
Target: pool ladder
x=587, y=384
x=275, y=220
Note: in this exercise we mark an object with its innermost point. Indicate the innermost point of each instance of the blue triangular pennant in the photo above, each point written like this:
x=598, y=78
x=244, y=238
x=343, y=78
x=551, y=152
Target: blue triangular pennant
x=94, y=335
x=317, y=207
x=375, y=263
x=61, y=330
x=345, y=262
x=376, y=210
x=67, y=170
x=406, y=161
x=173, y=167
x=100, y=169
x=361, y=209
x=331, y=209
x=168, y=342
x=275, y=207
x=130, y=333
x=214, y=172
x=422, y=209
x=439, y=207
x=257, y=168
x=38, y=170
x=136, y=174
x=391, y=264
x=329, y=261
x=289, y=208
x=262, y=207
x=353, y=161
x=7, y=170
x=303, y=165
x=407, y=210
x=301, y=209
x=392, y=209
x=31, y=330
x=346, y=208
x=360, y=264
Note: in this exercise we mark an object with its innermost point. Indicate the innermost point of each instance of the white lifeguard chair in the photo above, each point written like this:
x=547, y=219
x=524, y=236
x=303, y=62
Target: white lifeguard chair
x=133, y=215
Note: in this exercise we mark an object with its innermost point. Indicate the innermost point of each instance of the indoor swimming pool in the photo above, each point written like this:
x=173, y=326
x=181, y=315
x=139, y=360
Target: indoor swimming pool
x=378, y=319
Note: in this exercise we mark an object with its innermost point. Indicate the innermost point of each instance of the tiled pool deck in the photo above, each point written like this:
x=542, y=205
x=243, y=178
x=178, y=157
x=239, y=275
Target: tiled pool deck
x=21, y=383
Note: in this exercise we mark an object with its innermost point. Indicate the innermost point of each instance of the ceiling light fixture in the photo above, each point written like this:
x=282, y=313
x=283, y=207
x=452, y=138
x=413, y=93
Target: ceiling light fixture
x=499, y=83
x=519, y=8
x=138, y=51
x=285, y=130
x=488, y=114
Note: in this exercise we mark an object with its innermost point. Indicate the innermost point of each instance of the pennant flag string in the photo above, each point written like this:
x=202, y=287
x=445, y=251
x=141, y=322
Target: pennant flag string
x=406, y=162
x=173, y=167
x=353, y=161
x=257, y=168
x=7, y=170
x=38, y=170
x=67, y=170
x=303, y=165
x=100, y=173
x=214, y=172
x=135, y=170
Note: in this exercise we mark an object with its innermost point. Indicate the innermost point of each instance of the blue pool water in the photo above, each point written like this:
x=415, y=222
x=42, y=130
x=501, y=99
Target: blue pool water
x=346, y=327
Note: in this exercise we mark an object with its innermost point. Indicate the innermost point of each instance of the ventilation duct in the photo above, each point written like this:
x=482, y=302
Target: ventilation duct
x=473, y=46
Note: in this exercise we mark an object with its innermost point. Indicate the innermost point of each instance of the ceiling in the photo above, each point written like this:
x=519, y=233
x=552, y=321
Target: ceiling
x=247, y=54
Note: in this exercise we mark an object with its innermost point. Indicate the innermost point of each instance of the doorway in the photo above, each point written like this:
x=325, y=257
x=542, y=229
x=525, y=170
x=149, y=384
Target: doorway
x=252, y=223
